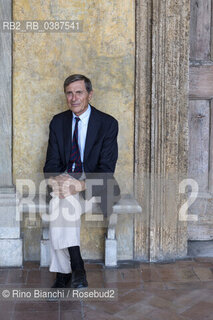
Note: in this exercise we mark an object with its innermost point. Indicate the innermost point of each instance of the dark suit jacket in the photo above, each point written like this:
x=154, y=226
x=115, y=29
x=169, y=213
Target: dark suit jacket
x=100, y=155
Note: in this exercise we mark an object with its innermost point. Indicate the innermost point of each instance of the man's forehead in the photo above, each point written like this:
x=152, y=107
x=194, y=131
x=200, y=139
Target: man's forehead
x=80, y=84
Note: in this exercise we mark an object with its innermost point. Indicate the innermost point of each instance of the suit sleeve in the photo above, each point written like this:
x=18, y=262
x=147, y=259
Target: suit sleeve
x=109, y=151
x=109, y=191
x=53, y=161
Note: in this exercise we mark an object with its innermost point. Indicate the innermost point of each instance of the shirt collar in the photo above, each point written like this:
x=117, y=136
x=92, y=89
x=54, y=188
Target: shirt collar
x=84, y=116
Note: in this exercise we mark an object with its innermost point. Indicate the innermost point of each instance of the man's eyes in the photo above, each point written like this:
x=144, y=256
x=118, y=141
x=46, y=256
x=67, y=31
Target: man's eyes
x=77, y=92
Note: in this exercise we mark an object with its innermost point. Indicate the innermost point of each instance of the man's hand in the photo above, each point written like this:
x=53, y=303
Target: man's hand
x=64, y=185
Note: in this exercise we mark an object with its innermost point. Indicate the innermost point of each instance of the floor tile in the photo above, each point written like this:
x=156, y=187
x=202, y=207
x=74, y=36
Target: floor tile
x=17, y=276
x=181, y=290
x=162, y=303
x=30, y=306
x=207, y=284
x=124, y=285
x=93, y=266
x=204, y=274
x=133, y=296
x=184, y=285
x=93, y=314
x=112, y=275
x=204, y=260
x=6, y=306
x=189, y=299
x=160, y=314
x=3, y=276
x=105, y=306
x=95, y=278
x=170, y=295
x=70, y=315
x=172, y=274
x=154, y=286
x=131, y=275
x=29, y=265
x=136, y=311
x=34, y=315
x=6, y=315
x=150, y=275
x=42, y=278
x=70, y=306
x=146, y=265
x=200, y=311
x=192, y=263
x=208, y=297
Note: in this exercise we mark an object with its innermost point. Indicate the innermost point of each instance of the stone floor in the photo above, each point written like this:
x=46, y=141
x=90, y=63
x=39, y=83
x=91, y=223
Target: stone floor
x=181, y=290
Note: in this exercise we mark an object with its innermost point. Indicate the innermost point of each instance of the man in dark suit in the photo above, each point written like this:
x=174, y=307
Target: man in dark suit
x=82, y=149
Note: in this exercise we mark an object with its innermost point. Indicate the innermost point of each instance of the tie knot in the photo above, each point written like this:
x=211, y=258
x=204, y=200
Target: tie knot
x=77, y=119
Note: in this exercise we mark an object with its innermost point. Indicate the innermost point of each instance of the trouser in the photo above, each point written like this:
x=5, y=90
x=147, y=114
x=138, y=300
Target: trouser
x=64, y=229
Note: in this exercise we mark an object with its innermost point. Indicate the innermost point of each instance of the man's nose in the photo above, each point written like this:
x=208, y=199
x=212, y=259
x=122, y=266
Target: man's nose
x=73, y=97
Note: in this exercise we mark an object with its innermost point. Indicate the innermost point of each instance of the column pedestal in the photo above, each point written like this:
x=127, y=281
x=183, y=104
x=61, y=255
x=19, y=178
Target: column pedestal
x=10, y=242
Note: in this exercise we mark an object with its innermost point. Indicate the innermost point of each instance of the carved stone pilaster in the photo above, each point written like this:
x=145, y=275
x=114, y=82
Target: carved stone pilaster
x=162, y=42
x=142, y=125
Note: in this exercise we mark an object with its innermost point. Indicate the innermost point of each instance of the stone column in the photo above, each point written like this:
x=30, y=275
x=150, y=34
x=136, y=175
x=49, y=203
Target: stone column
x=10, y=242
x=162, y=64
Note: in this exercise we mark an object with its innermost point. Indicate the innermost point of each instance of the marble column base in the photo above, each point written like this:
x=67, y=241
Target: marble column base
x=45, y=253
x=11, y=253
x=110, y=252
x=9, y=220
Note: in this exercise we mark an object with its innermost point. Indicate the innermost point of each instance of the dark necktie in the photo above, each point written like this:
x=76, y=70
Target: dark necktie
x=75, y=153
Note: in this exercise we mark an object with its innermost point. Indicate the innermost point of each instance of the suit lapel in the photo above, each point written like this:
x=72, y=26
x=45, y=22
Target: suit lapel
x=67, y=135
x=92, y=132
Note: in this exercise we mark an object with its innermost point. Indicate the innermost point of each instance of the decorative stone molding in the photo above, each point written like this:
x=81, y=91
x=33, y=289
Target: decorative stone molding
x=5, y=98
x=10, y=242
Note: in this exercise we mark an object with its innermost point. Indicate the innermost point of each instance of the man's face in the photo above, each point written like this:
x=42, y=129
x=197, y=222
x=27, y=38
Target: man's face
x=77, y=97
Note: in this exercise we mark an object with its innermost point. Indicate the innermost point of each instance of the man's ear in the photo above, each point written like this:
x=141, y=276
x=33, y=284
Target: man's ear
x=90, y=95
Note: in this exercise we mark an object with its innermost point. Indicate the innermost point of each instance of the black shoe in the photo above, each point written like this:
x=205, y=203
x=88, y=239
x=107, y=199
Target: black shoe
x=79, y=279
x=62, y=280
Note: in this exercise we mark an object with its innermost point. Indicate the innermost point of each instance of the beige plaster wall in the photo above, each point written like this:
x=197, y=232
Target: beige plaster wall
x=104, y=51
